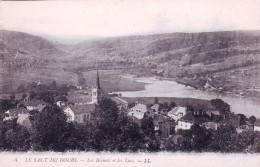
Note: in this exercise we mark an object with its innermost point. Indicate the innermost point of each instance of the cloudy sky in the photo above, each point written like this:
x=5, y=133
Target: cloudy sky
x=128, y=17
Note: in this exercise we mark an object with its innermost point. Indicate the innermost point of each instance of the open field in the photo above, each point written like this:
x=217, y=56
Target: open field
x=113, y=80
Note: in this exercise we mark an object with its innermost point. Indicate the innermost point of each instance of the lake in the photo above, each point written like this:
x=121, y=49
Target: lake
x=166, y=88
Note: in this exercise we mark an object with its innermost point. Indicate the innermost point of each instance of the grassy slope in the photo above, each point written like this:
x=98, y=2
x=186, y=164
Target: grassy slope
x=113, y=80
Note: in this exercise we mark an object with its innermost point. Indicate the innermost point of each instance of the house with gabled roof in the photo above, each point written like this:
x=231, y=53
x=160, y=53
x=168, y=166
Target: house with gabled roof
x=210, y=125
x=14, y=113
x=186, y=122
x=156, y=107
x=121, y=103
x=32, y=104
x=24, y=120
x=138, y=110
x=40, y=107
x=177, y=112
x=192, y=118
x=231, y=119
x=79, y=113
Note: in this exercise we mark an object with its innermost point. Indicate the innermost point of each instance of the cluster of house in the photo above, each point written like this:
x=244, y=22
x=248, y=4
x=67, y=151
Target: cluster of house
x=79, y=112
x=22, y=111
x=166, y=121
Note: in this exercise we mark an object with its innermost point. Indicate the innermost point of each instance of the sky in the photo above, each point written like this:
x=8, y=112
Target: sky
x=128, y=17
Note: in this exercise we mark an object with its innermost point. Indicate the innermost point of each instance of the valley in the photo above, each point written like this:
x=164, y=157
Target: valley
x=225, y=62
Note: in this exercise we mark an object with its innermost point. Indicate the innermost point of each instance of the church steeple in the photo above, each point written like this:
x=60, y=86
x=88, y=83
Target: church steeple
x=97, y=92
x=97, y=81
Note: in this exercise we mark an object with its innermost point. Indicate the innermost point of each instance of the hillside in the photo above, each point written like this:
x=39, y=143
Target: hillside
x=214, y=61
x=219, y=58
x=26, y=58
x=182, y=49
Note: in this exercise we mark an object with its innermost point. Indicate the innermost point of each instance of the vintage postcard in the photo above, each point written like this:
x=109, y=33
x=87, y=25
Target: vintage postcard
x=130, y=83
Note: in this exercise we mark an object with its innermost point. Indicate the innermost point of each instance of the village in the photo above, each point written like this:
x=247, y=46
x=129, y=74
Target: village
x=167, y=119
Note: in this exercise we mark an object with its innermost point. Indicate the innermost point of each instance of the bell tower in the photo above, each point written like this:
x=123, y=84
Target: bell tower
x=97, y=93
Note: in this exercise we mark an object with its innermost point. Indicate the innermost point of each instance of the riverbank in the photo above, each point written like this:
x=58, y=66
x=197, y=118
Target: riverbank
x=158, y=87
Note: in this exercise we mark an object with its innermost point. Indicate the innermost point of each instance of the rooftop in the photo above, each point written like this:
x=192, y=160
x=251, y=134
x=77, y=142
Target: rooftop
x=176, y=110
x=119, y=100
x=78, y=109
x=160, y=118
x=16, y=111
x=156, y=107
x=188, y=118
x=232, y=119
x=24, y=120
x=40, y=107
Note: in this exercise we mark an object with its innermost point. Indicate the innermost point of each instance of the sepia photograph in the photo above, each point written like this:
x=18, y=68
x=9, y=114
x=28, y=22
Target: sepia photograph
x=130, y=83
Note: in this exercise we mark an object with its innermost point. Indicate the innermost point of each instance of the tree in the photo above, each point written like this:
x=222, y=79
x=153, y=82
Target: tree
x=252, y=119
x=131, y=105
x=220, y=105
x=148, y=127
x=165, y=105
x=52, y=132
x=172, y=104
x=113, y=131
x=150, y=141
x=190, y=108
x=244, y=141
x=223, y=139
x=156, y=101
x=24, y=96
x=32, y=95
x=62, y=98
x=21, y=88
x=243, y=119
x=5, y=104
x=33, y=112
x=14, y=136
x=48, y=99
x=256, y=143
x=12, y=97
x=53, y=85
x=195, y=139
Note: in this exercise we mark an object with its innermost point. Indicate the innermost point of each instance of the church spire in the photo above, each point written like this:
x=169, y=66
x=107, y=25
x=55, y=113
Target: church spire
x=97, y=82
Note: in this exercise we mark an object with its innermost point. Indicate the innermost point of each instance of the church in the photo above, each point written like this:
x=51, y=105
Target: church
x=82, y=113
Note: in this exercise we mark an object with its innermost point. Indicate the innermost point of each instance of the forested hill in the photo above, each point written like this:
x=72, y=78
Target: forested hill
x=191, y=58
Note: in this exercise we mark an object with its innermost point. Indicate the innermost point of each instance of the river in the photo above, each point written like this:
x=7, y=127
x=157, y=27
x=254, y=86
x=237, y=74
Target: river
x=165, y=88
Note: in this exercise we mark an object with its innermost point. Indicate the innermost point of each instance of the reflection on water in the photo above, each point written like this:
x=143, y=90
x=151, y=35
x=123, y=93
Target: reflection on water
x=165, y=88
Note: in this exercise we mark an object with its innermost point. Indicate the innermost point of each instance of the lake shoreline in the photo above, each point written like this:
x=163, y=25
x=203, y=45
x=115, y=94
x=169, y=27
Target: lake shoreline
x=164, y=87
